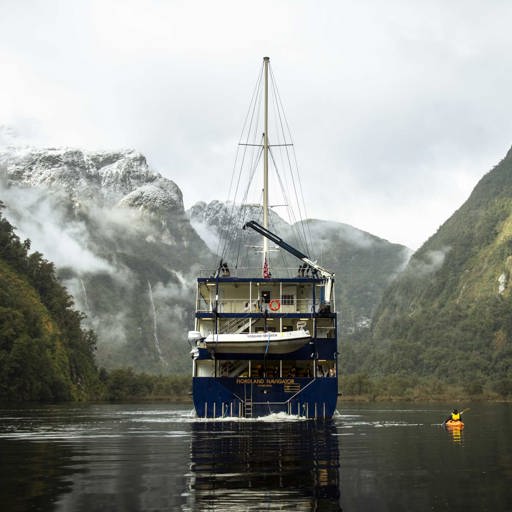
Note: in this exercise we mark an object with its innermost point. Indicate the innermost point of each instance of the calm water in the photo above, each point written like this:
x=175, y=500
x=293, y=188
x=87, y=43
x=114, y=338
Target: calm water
x=159, y=457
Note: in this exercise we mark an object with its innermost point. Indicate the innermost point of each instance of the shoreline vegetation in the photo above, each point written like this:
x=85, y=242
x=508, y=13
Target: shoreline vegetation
x=126, y=385
x=360, y=387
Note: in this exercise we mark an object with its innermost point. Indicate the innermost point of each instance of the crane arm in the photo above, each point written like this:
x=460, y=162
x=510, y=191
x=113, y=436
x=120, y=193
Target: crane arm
x=287, y=247
x=274, y=238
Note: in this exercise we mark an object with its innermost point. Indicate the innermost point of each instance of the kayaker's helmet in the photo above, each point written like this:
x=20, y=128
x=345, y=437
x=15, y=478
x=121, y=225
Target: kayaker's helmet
x=455, y=411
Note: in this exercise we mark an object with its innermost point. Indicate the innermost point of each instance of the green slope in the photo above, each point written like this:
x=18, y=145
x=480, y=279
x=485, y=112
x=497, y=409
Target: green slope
x=364, y=266
x=44, y=353
x=449, y=314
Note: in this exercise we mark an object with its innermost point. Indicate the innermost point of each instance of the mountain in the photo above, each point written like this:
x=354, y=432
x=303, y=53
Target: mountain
x=449, y=314
x=44, y=352
x=129, y=254
x=121, y=242
x=363, y=263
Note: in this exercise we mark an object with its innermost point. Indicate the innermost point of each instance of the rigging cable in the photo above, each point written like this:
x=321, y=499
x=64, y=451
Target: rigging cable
x=223, y=238
x=245, y=166
x=300, y=200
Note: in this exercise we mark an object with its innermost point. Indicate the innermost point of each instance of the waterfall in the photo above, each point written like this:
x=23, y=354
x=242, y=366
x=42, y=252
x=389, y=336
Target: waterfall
x=86, y=302
x=155, y=334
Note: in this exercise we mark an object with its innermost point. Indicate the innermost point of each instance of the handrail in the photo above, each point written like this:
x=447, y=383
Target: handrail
x=243, y=306
x=255, y=272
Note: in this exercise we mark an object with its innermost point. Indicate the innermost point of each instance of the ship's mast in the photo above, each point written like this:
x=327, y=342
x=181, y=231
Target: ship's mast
x=266, y=262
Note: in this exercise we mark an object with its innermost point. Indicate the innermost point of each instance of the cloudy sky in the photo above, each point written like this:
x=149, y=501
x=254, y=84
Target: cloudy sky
x=397, y=108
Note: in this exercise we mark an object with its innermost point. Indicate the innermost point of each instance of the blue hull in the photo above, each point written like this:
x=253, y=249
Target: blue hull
x=257, y=397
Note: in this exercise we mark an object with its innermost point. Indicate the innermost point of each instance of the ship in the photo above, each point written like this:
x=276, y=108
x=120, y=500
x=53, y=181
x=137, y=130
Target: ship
x=265, y=339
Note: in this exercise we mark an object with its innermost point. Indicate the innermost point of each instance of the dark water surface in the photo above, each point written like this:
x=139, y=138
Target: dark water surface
x=159, y=457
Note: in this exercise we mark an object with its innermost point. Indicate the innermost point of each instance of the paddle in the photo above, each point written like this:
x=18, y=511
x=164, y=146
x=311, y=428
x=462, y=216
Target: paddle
x=460, y=412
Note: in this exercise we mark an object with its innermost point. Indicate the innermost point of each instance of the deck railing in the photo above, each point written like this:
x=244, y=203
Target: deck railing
x=244, y=306
x=257, y=272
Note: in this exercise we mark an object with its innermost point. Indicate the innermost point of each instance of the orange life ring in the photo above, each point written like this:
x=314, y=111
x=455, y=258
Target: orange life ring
x=274, y=304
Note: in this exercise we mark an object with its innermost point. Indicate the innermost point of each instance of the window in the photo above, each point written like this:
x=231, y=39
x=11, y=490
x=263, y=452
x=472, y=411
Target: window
x=288, y=300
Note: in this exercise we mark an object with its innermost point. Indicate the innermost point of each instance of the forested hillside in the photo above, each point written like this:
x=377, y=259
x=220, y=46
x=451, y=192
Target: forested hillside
x=44, y=352
x=449, y=314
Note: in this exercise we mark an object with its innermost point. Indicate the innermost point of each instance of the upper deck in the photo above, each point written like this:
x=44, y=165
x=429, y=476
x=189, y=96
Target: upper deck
x=291, y=294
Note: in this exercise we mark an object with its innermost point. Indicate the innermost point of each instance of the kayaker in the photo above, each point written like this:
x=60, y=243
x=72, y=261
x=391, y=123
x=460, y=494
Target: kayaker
x=454, y=416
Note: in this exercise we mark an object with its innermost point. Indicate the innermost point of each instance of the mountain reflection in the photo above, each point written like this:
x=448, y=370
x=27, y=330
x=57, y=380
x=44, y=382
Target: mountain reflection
x=260, y=466
x=33, y=476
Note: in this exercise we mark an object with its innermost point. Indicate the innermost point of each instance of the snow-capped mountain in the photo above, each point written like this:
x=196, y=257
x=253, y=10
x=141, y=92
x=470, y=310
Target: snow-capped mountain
x=121, y=241
x=218, y=220
x=105, y=177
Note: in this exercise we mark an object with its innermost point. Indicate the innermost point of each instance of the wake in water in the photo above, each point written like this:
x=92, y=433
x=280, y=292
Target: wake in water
x=189, y=416
x=273, y=417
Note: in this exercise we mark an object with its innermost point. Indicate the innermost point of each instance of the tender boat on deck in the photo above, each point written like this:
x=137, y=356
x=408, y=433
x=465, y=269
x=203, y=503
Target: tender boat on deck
x=258, y=343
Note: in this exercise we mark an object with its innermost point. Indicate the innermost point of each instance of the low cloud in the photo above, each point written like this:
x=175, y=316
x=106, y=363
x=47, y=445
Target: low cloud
x=207, y=234
x=428, y=263
x=37, y=217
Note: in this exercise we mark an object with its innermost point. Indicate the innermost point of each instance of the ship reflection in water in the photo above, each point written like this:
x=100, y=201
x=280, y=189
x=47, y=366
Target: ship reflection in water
x=258, y=465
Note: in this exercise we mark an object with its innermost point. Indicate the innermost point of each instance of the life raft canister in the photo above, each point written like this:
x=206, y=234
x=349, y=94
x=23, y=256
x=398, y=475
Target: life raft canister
x=274, y=304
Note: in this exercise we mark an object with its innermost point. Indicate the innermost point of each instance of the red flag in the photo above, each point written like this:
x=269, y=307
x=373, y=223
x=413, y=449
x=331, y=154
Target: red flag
x=266, y=273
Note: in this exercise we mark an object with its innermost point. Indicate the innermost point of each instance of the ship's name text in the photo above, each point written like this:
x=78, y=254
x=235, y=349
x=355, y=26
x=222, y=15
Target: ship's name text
x=243, y=380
